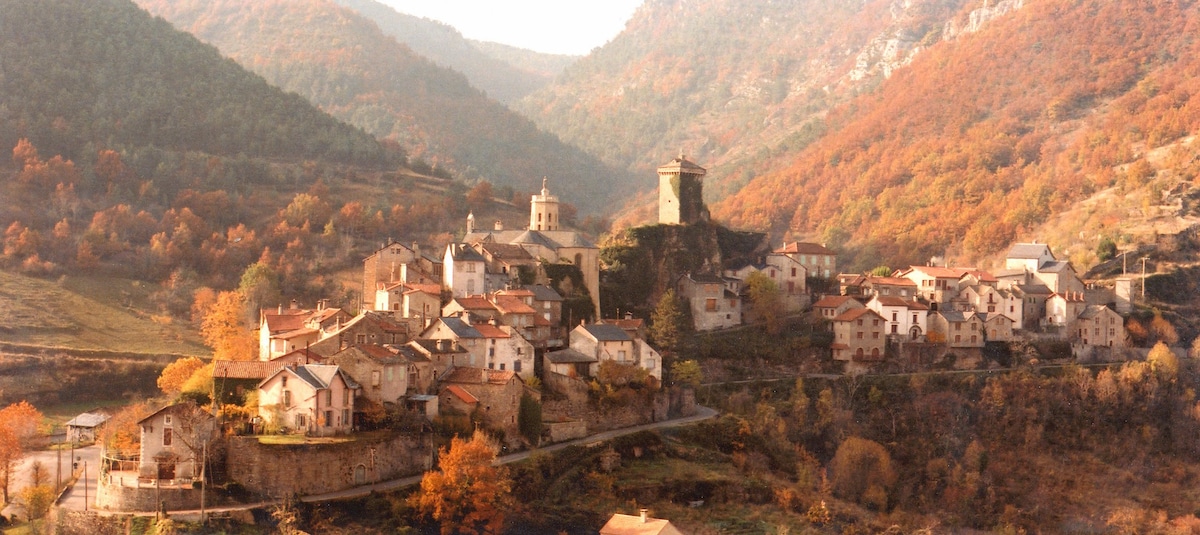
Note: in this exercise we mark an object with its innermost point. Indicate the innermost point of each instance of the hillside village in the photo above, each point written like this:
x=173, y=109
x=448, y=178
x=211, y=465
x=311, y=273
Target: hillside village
x=477, y=337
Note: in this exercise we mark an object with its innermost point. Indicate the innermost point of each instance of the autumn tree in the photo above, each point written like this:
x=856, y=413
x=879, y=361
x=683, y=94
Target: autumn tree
x=224, y=331
x=18, y=425
x=480, y=195
x=121, y=434
x=260, y=286
x=862, y=471
x=467, y=494
x=766, y=301
x=177, y=373
x=687, y=373
x=668, y=323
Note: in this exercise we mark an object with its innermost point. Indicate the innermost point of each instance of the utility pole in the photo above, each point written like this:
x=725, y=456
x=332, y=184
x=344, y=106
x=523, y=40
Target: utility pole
x=203, y=466
x=85, y=492
x=1143, y=279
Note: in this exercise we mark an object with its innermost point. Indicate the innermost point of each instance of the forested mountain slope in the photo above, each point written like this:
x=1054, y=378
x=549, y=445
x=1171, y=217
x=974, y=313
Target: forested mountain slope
x=102, y=73
x=985, y=137
x=347, y=66
x=731, y=83
x=502, y=80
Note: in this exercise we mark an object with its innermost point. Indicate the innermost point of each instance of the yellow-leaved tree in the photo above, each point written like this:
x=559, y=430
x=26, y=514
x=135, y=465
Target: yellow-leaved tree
x=468, y=494
x=177, y=373
x=224, y=330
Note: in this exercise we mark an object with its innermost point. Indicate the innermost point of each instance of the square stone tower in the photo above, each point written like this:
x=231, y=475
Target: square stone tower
x=680, y=192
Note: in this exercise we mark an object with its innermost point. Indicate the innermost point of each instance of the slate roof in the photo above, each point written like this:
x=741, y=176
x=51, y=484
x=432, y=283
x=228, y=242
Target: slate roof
x=988, y=316
x=568, y=356
x=606, y=333
x=1034, y=289
x=88, y=419
x=953, y=316
x=460, y=328
x=534, y=237
x=506, y=251
x=1029, y=251
x=1055, y=266
x=431, y=346
x=1092, y=311
x=541, y=292
x=462, y=252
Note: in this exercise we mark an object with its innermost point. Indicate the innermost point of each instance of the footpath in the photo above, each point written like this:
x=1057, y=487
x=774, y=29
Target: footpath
x=702, y=413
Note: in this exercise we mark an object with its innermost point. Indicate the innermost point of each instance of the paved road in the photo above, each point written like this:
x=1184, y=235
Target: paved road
x=73, y=498
x=49, y=459
x=702, y=413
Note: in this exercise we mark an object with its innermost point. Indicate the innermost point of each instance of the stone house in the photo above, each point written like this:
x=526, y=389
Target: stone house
x=787, y=274
x=956, y=328
x=991, y=300
x=817, y=260
x=610, y=342
x=492, y=395
x=859, y=335
x=368, y=327
x=934, y=284
x=832, y=306
x=1028, y=257
x=409, y=300
x=643, y=524
x=1063, y=308
x=851, y=283
x=286, y=330
x=381, y=372
x=472, y=309
x=465, y=270
x=172, y=441
x=1033, y=303
x=713, y=305
x=570, y=363
x=1099, y=325
x=83, y=427
x=548, y=303
x=889, y=287
x=442, y=355
x=505, y=264
x=391, y=264
x=997, y=327
x=314, y=399
x=905, y=319
x=506, y=350
x=459, y=333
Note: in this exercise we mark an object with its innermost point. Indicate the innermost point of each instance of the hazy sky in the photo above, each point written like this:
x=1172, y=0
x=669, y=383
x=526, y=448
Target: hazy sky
x=555, y=26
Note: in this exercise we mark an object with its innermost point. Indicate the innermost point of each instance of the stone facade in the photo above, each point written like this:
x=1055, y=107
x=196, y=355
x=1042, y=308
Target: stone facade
x=280, y=470
x=680, y=192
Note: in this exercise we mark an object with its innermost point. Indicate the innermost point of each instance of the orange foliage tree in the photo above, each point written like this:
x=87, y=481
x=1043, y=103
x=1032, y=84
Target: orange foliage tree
x=18, y=424
x=177, y=373
x=224, y=330
x=468, y=494
x=121, y=434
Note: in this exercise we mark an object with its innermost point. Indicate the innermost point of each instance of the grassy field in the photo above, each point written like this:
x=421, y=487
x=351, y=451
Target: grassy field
x=89, y=313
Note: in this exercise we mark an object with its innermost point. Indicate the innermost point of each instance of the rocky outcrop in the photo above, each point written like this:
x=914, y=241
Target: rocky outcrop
x=991, y=10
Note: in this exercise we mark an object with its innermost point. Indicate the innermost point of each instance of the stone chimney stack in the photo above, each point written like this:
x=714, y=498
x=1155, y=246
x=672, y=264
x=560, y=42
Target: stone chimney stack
x=644, y=513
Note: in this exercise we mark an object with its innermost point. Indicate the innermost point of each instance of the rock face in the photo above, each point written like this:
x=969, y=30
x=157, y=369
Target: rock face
x=991, y=10
x=914, y=27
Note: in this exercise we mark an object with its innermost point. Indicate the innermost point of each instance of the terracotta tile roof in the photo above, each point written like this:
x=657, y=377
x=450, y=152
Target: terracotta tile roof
x=295, y=334
x=461, y=393
x=939, y=272
x=804, y=248
x=891, y=281
x=627, y=324
x=290, y=320
x=512, y=305
x=245, y=369
x=516, y=292
x=491, y=331
x=431, y=289
x=853, y=314
x=299, y=356
x=832, y=301
x=891, y=301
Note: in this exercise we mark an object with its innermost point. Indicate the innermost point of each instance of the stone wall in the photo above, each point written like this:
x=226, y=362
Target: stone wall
x=278, y=470
x=563, y=431
x=117, y=497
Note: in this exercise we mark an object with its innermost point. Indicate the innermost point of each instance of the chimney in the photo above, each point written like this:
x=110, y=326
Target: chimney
x=416, y=249
x=483, y=375
x=628, y=315
x=442, y=344
x=280, y=309
x=295, y=305
x=470, y=222
x=644, y=513
x=499, y=225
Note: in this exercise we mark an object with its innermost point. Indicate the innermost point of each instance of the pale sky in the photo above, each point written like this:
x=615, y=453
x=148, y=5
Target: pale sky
x=554, y=26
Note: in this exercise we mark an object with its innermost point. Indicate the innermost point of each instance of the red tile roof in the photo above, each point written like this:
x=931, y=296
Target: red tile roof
x=853, y=314
x=462, y=394
x=468, y=375
x=474, y=303
x=512, y=305
x=832, y=301
x=891, y=281
x=245, y=369
x=490, y=331
x=804, y=248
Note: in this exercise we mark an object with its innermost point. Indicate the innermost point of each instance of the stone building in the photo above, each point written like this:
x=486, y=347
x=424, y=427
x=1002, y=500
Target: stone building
x=681, y=192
